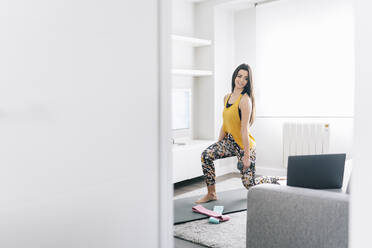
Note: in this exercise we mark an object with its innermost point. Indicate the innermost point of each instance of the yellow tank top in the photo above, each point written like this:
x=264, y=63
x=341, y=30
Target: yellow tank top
x=232, y=123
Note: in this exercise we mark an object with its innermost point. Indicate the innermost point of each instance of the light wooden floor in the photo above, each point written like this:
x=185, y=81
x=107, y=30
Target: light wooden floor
x=190, y=185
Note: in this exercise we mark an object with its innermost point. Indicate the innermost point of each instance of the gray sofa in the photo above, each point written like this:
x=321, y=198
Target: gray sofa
x=283, y=216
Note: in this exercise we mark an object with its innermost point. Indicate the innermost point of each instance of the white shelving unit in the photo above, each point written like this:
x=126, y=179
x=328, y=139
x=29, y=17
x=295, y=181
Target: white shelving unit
x=187, y=150
x=196, y=1
x=193, y=73
x=195, y=42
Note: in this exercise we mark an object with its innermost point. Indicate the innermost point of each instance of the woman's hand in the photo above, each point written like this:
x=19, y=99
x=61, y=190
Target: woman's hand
x=246, y=163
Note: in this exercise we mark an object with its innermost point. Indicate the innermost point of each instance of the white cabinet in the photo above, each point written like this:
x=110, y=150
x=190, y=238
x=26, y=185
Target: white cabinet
x=187, y=158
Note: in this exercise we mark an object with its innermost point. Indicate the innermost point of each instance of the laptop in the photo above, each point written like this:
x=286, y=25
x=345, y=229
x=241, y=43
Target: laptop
x=321, y=171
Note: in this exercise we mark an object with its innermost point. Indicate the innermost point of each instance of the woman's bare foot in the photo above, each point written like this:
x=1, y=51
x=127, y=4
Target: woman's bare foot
x=207, y=198
x=282, y=178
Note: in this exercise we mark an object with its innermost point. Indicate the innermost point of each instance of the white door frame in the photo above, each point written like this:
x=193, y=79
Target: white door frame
x=165, y=155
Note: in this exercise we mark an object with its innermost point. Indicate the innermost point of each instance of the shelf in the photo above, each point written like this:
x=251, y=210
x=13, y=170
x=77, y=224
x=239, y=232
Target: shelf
x=193, y=73
x=191, y=41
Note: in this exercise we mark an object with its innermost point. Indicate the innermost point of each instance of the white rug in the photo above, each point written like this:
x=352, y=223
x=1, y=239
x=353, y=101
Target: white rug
x=226, y=234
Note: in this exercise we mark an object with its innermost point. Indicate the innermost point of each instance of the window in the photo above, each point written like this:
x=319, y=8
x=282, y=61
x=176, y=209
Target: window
x=181, y=109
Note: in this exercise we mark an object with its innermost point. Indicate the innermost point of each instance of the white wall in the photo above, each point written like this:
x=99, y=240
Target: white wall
x=268, y=135
x=79, y=124
x=305, y=58
x=361, y=216
x=245, y=37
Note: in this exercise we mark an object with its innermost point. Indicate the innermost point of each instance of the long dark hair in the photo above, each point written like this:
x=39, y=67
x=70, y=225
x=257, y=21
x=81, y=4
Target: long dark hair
x=247, y=89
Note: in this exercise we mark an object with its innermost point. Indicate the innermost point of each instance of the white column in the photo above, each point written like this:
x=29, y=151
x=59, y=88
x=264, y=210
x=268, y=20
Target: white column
x=361, y=204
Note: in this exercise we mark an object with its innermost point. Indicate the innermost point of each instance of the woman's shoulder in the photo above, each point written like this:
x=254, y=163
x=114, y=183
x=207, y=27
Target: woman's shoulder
x=245, y=99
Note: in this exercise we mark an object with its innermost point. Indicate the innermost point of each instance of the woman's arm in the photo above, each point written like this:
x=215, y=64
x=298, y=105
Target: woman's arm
x=245, y=107
x=222, y=134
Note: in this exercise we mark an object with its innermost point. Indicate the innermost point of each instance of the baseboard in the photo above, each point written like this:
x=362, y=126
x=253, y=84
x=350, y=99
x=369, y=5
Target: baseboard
x=269, y=171
x=225, y=166
x=229, y=165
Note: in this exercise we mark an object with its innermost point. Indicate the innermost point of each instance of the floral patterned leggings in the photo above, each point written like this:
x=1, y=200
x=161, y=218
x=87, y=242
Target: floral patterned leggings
x=225, y=148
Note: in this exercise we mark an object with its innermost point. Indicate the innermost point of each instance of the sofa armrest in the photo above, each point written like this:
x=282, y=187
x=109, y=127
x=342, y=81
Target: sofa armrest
x=284, y=216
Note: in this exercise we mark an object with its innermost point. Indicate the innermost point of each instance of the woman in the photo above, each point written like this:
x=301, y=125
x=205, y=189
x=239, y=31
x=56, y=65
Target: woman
x=235, y=138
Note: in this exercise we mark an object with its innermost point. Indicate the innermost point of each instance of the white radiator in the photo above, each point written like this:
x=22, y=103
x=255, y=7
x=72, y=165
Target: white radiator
x=304, y=139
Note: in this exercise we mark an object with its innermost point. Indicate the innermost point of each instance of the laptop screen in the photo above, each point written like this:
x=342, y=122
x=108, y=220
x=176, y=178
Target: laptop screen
x=321, y=171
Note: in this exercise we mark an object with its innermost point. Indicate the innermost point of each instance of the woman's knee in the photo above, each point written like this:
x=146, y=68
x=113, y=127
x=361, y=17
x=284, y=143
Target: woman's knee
x=205, y=156
x=247, y=181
